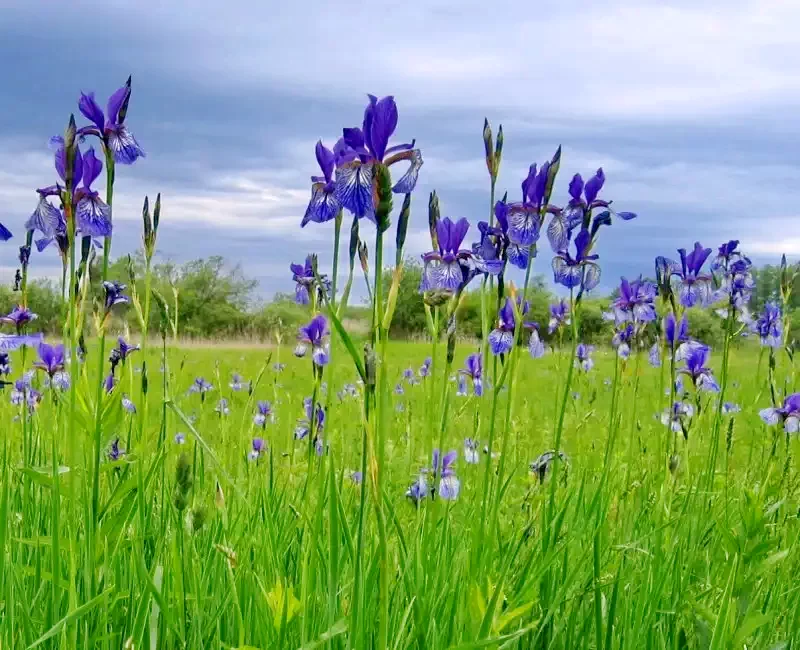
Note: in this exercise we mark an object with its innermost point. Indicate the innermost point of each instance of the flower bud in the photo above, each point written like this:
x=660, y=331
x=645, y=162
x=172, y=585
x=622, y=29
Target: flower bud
x=433, y=219
x=383, y=196
x=402, y=228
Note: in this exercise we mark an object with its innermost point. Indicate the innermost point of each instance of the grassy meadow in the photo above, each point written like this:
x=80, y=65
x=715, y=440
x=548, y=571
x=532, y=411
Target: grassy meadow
x=199, y=545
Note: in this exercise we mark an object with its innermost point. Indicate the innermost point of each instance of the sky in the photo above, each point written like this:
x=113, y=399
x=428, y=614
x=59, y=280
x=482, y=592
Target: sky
x=690, y=108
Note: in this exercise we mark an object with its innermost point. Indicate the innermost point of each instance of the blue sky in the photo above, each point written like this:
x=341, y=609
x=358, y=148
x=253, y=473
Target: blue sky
x=691, y=109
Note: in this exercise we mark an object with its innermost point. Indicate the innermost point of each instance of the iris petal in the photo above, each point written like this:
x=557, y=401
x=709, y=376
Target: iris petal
x=94, y=217
x=354, y=188
x=124, y=146
x=408, y=181
x=523, y=226
x=45, y=218
x=323, y=205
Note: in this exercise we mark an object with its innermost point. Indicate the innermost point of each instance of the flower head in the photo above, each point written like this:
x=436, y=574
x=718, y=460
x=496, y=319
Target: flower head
x=788, y=414
x=501, y=339
x=425, y=368
x=51, y=358
x=222, y=407
x=201, y=386
x=316, y=335
x=303, y=275
x=127, y=404
x=448, y=268
x=237, y=382
x=525, y=217
x=5, y=364
x=694, y=286
x=583, y=356
x=19, y=317
x=473, y=369
x=114, y=295
x=695, y=356
x=635, y=301
x=769, y=325
x=314, y=421
x=324, y=204
x=418, y=490
x=110, y=127
x=115, y=452
x=263, y=414
x=677, y=417
x=359, y=150
x=258, y=448
x=675, y=332
x=559, y=316
x=580, y=270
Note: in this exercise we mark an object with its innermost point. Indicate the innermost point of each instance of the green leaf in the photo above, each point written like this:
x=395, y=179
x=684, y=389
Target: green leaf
x=76, y=613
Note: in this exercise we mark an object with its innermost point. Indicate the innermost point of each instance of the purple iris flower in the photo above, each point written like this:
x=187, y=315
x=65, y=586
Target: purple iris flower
x=304, y=426
x=729, y=408
x=19, y=317
x=259, y=447
x=5, y=233
x=357, y=152
x=635, y=301
x=678, y=416
x=581, y=270
x=201, y=386
x=124, y=349
x=622, y=340
x=109, y=382
x=694, y=286
x=418, y=490
x=769, y=325
x=517, y=254
x=583, y=356
x=487, y=254
x=675, y=332
x=399, y=390
x=128, y=404
x=461, y=385
x=324, y=204
x=114, y=452
x=110, y=128
x=443, y=468
x=473, y=369
x=733, y=270
x=279, y=367
x=583, y=200
x=51, y=358
x=180, y=438
x=5, y=364
x=222, y=407
x=356, y=477
x=444, y=270
x=695, y=356
x=525, y=217
x=410, y=376
x=559, y=316
x=316, y=335
x=536, y=345
x=425, y=368
x=237, y=382
x=303, y=275
x=263, y=413
x=788, y=414
x=114, y=295
x=471, y=455
x=501, y=339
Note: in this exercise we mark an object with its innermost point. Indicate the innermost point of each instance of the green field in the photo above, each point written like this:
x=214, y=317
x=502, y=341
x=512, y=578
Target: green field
x=634, y=556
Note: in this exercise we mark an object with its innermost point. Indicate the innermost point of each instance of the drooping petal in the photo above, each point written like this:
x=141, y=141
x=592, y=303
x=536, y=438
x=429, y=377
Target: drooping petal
x=93, y=217
x=536, y=346
x=354, y=189
x=321, y=354
x=770, y=415
x=449, y=487
x=124, y=146
x=591, y=276
x=91, y=110
x=449, y=276
x=501, y=341
x=408, y=181
x=567, y=275
x=5, y=233
x=576, y=187
x=46, y=218
x=323, y=206
x=518, y=255
x=523, y=225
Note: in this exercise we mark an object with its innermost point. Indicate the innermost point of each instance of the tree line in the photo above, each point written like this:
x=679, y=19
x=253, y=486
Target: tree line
x=216, y=300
